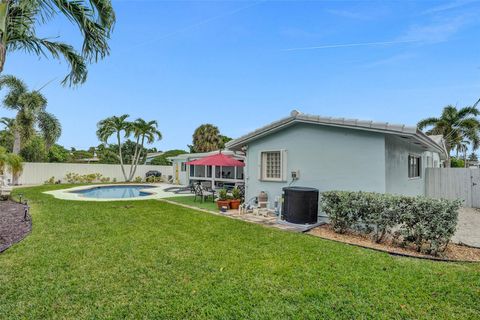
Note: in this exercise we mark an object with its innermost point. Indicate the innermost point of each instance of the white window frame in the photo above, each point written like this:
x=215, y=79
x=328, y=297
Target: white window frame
x=262, y=174
x=420, y=164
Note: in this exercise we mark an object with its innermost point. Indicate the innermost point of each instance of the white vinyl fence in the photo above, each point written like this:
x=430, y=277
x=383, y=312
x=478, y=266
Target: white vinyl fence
x=38, y=173
x=454, y=183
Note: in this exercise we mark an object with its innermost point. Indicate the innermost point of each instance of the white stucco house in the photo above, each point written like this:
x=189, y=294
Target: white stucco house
x=185, y=174
x=337, y=154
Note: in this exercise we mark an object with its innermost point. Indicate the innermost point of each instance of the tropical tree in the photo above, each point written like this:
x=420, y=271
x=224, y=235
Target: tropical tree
x=143, y=131
x=31, y=113
x=10, y=162
x=206, y=138
x=6, y=135
x=455, y=126
x=119, y=127
x=93, y=18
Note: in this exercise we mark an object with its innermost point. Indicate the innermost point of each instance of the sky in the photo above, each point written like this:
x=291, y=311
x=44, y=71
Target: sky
x=243, y=64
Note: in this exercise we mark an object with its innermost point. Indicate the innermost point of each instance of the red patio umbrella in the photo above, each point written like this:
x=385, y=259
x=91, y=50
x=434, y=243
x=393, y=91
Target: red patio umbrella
x=218, y=160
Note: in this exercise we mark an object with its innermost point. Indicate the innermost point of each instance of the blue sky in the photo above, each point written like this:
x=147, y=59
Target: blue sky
x=242, y=64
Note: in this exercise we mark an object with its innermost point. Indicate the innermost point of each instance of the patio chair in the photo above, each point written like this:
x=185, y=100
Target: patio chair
x=5, y=189
x=203, y=193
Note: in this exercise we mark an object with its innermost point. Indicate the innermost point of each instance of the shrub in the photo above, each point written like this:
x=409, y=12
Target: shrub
x=138, y=179
x=222, y=194
x=74, y=178
x=236, y=193
x=50, y=181
x=427, y=223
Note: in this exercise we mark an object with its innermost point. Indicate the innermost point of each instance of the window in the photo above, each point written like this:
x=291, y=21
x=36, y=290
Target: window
x=414, y=166
x=184, y=167
x=271, y=163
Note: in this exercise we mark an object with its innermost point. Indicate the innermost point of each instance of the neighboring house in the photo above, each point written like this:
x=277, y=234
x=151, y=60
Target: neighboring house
x=337, y=154
x=184, y=174
x=152, y=155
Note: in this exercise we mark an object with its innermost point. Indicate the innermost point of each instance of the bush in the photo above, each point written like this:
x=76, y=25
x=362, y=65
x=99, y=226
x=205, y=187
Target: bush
x=138, y=179
x=427, y=223
x=74, y=178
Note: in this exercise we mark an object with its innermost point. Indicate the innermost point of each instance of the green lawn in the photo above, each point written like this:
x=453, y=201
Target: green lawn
x=148, y=259
x=209, y=205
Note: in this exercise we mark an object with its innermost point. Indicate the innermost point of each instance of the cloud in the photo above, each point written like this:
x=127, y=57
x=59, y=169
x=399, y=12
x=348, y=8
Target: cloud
x=350, y=14
x=438, y=31
x=390, y=60
x=449, y=6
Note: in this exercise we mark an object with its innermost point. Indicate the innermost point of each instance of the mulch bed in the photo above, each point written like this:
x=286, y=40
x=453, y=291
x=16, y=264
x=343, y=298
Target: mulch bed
x=454, y=252
x=12, y=226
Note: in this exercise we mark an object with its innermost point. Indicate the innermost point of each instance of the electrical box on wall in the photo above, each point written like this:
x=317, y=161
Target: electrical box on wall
x=295, y=175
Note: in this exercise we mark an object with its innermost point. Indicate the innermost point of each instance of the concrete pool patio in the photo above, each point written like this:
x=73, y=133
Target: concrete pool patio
x=157, y=190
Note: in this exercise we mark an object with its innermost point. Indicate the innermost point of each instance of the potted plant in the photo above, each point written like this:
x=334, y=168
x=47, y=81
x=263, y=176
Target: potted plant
x=222, y=200
x=235, y=202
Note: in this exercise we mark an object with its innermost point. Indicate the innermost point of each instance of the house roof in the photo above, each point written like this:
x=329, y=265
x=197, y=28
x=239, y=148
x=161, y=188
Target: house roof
x=189, y=156
x=434, y=143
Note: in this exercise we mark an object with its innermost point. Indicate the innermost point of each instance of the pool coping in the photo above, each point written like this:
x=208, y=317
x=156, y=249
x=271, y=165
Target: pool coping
x=156, y=192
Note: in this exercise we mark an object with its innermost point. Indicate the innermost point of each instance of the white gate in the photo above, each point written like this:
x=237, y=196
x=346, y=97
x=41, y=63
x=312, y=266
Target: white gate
x=454, y=183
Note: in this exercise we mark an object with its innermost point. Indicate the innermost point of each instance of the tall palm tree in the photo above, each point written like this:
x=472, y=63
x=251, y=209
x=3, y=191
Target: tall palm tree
x=455, y=126
x=10, y=162
x=143, y=130
x=31, y=113
x=206, y=138
x=117, y=126
x=93, y=18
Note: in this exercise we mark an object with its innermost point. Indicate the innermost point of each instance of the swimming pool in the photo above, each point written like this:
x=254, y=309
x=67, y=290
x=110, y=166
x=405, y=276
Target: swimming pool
x=114, y=192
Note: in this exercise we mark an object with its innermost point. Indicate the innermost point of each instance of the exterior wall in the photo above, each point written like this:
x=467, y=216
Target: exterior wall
x=38, y=173
x=328, y=158
x=396, y=170
x=181, y=177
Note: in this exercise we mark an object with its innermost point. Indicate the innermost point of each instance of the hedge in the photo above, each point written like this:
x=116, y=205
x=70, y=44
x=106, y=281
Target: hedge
x=426, y=223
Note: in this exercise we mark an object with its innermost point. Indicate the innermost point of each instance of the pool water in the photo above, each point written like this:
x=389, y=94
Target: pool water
x=114, y=192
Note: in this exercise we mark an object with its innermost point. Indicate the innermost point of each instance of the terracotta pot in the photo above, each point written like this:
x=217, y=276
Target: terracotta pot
x=222, y=203
x=235, y=203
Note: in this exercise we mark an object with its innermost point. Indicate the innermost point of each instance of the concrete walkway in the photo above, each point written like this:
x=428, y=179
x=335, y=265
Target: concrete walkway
x=468, y=229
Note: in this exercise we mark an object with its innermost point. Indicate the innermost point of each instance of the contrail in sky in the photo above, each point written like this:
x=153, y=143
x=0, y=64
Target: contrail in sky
x=346, y=45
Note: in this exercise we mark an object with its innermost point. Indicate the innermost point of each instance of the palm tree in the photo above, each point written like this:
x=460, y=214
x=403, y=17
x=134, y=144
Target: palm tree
x=10, y=162
x=206, y=138
x=455, y=126
x=93, y=18
x=31, y=113
x=142, y=131
x=115, y=126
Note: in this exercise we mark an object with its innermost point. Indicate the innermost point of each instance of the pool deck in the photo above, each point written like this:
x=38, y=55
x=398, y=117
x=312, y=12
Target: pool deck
x=157, y=191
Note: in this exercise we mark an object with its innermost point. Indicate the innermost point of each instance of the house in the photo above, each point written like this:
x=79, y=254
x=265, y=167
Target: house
x=337, y=154
x=184, y=174
x=152, y=155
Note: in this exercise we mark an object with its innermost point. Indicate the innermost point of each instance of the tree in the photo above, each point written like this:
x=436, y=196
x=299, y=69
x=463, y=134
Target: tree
x=473, y=157
x=455, y=126
x=206, y=138
x=6, y=135
x=163, y=159
x=34, y=150
x=143, y=132
x=31, y=113
x=94, y=19
x=57, y=153
x=10, y=162
x=119, y=127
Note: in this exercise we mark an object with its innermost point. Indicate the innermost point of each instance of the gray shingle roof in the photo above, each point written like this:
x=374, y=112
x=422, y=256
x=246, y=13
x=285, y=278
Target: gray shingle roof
x=383, y=127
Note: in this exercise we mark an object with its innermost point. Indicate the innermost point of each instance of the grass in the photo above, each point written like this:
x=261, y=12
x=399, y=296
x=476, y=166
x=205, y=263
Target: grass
x=209, y=205
x=150, y=259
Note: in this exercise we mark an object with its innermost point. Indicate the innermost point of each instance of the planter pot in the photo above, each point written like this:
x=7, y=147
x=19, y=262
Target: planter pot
x=235, y=203
x=222, y=203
